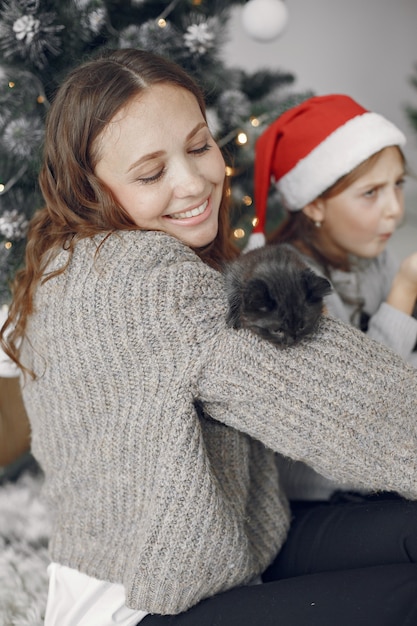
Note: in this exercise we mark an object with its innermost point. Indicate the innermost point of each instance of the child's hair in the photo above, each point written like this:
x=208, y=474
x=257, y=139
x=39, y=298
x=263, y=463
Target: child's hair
x=78, y=204
x=300, y=230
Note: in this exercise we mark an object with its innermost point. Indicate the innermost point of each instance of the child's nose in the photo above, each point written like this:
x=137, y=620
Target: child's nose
x=394, y=203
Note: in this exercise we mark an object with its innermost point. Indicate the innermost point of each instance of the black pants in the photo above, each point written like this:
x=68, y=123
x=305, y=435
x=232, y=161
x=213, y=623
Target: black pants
x=345, y=564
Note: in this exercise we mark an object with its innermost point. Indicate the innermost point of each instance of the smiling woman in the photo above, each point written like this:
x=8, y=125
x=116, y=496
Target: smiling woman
x=156, y=424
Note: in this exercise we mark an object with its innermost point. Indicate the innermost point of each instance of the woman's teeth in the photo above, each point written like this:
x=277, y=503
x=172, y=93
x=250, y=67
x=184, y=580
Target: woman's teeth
x=197, y=211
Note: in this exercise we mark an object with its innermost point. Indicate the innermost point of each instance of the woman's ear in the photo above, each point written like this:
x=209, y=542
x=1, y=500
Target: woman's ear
x=315, y=210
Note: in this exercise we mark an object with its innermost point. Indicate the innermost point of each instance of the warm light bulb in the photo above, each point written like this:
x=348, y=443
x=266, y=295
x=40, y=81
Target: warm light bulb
x=238, y=233
x=2, y=187
x=11, y=84
x=40, y=99
x=242, y=138
x=254, y=121
x=8, y=245
x=229, y=170
x=255, y=221
x=162, y=23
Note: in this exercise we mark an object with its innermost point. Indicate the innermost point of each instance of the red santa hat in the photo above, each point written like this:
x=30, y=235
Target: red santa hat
x=308, y=148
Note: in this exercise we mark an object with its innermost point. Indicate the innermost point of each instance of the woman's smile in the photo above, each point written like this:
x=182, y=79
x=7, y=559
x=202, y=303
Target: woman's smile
x=196, y=212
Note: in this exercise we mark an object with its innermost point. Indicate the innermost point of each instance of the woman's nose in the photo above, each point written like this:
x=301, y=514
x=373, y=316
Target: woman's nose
x=189, y=181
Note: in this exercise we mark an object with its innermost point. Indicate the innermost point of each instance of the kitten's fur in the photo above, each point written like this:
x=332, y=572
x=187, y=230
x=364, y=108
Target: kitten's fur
x=273, y=292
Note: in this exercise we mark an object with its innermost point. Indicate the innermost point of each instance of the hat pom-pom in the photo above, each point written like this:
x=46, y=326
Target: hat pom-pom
x=256, y=240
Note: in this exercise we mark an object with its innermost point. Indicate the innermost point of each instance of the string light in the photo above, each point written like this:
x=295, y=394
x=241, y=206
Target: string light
x=255, y=221
x=255, y=122
x=13, y=180
x=229, y=170
x=225, y=140
x=11, y=84
x=8, y=245
x=160, y=20
x=40, y=99
x=247, y=200
x=238, y=233
x=241, y=138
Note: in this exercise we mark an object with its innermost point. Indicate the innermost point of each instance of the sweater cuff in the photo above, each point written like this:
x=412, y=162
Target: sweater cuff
x=395, y=329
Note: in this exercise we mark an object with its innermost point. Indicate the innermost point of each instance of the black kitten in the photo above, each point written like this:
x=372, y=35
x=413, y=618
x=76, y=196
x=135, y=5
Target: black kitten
x=273, y=292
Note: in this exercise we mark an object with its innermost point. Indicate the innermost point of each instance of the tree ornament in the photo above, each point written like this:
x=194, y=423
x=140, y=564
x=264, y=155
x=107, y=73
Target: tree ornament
x=13, y=225
x=199, y=37
x=22, y=136
x=264, y=20
x=28, y=32
x=96, y=20
x=234, y=107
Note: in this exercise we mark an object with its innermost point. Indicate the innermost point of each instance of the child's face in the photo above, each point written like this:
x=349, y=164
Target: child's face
x=361, y=219
x=162, y=165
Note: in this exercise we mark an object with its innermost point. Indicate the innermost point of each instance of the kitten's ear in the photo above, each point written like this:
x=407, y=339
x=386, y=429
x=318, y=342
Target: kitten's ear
x=316, y=286
x=256, y=297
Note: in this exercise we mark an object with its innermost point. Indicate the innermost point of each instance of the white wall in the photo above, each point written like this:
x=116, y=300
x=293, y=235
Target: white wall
x=364, y=48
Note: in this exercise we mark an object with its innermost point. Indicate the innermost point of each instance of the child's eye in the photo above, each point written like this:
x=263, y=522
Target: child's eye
x=151, y=179
x=400, y=183
x=370, y=193
x=201, y=150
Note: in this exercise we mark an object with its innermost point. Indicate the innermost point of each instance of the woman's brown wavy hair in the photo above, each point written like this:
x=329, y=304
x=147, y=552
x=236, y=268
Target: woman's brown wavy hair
x=77, y=203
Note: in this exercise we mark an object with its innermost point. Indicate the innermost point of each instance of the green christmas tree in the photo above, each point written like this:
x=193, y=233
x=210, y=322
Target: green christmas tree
x=41, y=40
x=410, y=109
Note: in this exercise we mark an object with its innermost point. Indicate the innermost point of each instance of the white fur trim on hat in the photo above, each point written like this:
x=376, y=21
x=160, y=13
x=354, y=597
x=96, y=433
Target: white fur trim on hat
x=256, y=240
x=337, y=155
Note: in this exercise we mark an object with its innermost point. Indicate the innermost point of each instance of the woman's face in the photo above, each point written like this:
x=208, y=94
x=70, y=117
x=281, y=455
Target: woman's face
x=161, y=164
x=361, y=219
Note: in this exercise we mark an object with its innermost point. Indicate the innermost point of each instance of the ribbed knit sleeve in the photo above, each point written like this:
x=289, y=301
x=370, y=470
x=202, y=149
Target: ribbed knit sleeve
x=340, y=403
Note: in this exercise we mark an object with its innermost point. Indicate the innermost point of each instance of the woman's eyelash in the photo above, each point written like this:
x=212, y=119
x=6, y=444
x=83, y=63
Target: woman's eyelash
x=204, y=148
x=152, y=179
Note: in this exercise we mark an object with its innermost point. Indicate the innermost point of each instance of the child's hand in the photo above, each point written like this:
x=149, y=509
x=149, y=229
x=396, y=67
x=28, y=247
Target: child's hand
x=408, y=271
x=403, y=294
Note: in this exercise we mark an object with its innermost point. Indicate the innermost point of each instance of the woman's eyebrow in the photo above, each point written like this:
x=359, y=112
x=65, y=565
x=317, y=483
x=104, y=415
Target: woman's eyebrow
x=195, y=130
x=158, y=153
x=146, y=157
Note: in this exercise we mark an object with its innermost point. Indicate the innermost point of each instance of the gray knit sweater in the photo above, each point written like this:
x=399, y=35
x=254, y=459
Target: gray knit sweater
x=174, y=503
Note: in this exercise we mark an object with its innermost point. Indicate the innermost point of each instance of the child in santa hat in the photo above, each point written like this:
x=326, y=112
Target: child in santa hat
x=340, y=171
